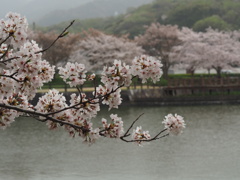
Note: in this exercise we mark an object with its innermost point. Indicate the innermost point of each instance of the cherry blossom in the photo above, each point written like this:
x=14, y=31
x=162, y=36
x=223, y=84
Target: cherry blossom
x=174, y=123
x=111, y=98
x=74, y=74
x=6, y=85
x=138, y=135
x=87, y=109
x=115, y=128
x=7, y=116
x=146, y=67
x=117, y=75
x=14, y=26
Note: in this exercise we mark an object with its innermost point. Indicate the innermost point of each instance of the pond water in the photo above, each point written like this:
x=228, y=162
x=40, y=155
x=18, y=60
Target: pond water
x=209, y=149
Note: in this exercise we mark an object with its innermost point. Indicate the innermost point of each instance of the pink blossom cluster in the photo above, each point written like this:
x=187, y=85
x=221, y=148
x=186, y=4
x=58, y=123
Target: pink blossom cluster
x=7, y=116
x=146, y=67
x=74, y=74
x=116, y=75
x=108, y=96
x=138, y=135
x=6, y=85
x=174, y=123
x=84, y=108
x=87, y=132
x=14, y=26
x=27, y=70
x=22, y=69
x=115, y=128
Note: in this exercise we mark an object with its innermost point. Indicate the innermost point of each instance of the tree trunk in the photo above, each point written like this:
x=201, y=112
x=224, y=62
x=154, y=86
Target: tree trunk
x=219, y=70
x=190, y=71
x=166, y=66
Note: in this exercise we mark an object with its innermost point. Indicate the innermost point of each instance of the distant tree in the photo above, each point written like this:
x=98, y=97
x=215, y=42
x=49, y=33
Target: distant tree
x=222, y=51
x=60, y=52
x=214, y=22
x=96, y=49
x=158, y=41
x=187, y=13
x=191, y=52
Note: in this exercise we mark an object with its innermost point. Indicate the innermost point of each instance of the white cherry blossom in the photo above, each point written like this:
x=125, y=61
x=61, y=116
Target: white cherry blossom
x=138, y=135
x=116, y=75
x=174, y=124
x=74, y=74
x=146, y=67
x=115, y=128
x=14, y=26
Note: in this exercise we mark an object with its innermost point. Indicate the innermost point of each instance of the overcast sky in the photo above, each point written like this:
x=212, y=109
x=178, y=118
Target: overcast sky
x=34, y=9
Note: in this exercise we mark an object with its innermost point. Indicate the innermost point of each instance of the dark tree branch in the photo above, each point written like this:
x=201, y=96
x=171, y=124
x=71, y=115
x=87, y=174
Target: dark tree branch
x=9, y=35
x=11, y=76
x=34, y=114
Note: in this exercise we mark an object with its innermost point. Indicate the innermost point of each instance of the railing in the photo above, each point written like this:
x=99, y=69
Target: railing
x=204, y=82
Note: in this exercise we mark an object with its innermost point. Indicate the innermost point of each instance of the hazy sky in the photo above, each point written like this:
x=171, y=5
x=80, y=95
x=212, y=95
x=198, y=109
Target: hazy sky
x=34, y=9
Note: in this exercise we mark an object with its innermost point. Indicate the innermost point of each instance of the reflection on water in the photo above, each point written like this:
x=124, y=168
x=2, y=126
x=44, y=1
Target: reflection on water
x=208, y=149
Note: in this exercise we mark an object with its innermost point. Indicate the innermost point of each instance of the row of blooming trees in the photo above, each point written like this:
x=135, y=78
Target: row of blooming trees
x=96, y=49
x=23, y=71
x=212, y=49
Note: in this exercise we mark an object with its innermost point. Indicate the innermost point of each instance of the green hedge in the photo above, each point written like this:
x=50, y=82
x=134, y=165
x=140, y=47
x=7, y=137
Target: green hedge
x=59, y=83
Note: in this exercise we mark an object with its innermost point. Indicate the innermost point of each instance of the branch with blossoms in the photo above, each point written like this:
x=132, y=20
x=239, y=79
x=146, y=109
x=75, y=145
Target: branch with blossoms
x=174, y=124
x=25, y=71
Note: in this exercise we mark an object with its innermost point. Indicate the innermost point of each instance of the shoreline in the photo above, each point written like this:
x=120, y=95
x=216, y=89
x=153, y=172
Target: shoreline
x=161, y=97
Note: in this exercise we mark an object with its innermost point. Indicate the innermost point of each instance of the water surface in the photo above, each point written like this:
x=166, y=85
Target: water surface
x=209, y=149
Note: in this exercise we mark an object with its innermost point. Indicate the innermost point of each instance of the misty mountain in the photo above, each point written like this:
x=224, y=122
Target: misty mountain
x=92, y=9
x=35, y=9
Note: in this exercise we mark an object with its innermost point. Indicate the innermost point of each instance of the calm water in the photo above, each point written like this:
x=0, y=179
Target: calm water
x=209, y=149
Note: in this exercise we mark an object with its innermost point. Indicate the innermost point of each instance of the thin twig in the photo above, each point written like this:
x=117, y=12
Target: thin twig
x=146, y=140
x=126, y=133
x=63, y=33
x=5, y=53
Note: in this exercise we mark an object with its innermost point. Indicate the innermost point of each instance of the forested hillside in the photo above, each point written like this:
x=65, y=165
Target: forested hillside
x=196, y=14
